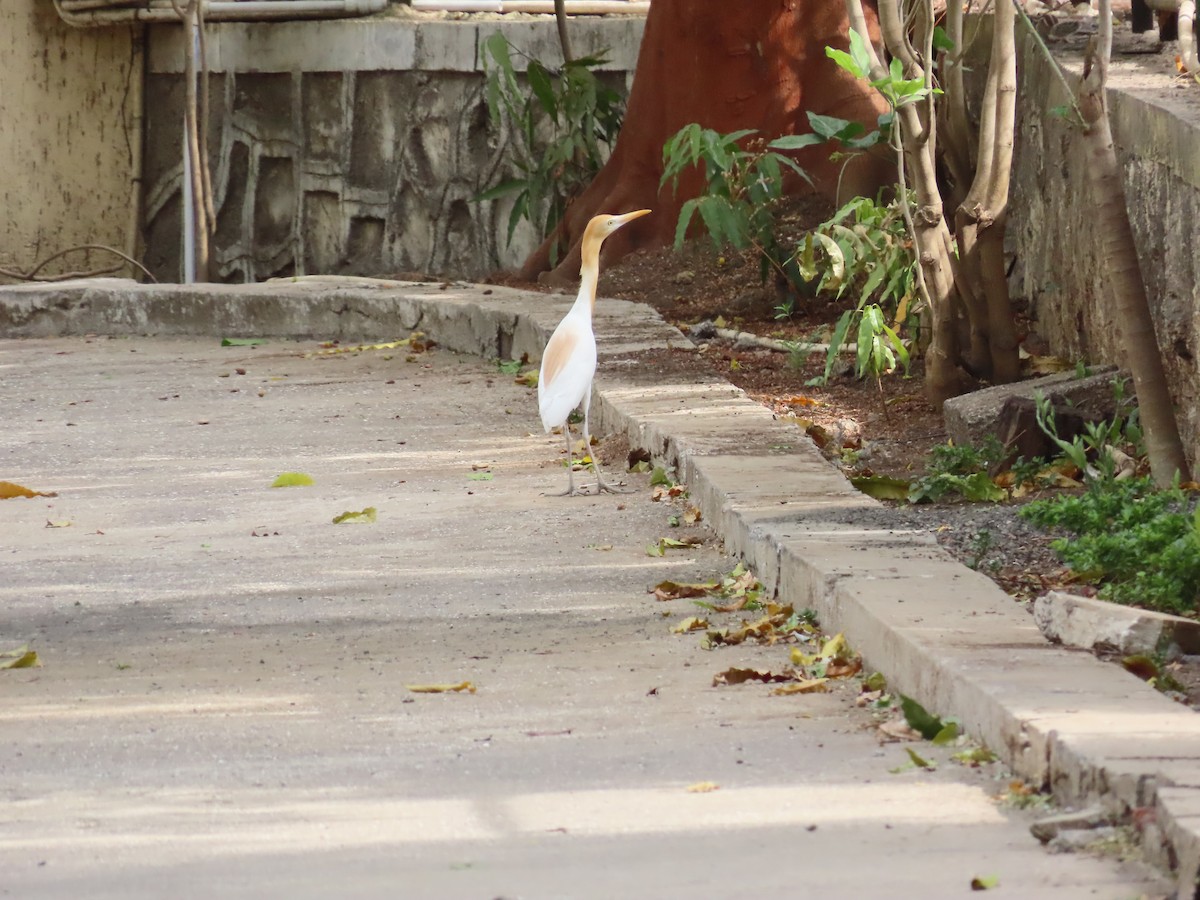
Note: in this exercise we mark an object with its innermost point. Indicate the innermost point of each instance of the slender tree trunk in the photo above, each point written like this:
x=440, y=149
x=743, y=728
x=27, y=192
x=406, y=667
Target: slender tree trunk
x=916, y=123
x=564, y=38
x=1003, y=349
x=1163, y=445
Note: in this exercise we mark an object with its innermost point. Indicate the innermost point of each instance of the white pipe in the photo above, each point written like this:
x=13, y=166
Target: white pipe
x=137, y=105
x=224, y=11
x=573, y=7
x=189, y=196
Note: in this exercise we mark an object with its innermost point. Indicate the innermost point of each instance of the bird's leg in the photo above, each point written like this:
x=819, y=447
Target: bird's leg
x=570, y=491
x=601, y=485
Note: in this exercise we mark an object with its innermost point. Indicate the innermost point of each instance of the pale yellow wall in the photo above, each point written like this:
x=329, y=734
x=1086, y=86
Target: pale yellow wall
x=67, y=152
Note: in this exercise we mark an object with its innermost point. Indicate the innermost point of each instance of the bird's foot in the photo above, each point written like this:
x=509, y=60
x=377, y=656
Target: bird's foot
x=569, y=492
x=603, y=487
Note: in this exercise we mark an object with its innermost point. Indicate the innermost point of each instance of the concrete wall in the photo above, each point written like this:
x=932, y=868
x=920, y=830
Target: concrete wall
x=68, y=136
x=353, y=146
x=1156, y=129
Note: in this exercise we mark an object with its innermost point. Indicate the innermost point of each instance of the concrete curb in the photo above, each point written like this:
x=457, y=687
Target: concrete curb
x=940, y=632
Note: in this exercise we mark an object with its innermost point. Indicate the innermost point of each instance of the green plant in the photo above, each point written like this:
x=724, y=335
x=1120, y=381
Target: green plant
x=864, y=244
x=742, y=185
x=981, y=545
x=1094, y=452
x=959, y=469
x=1030, y=472
x=1141, y=544
x=561, y=130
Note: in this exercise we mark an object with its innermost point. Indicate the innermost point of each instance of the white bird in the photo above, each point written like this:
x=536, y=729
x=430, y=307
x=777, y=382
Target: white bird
x=569, y=363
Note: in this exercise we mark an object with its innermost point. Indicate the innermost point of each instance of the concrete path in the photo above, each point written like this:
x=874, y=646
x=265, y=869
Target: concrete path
x=222, y=711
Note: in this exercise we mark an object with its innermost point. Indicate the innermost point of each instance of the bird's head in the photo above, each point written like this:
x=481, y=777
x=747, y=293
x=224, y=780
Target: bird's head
x=601, y=227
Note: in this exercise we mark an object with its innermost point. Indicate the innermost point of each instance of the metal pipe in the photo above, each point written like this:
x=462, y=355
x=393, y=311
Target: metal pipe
x=137, y=101
x=224, y=11
x=189, y=185
x=573, y=7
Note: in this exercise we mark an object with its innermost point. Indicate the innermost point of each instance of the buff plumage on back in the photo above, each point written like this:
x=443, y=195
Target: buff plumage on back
x=561, y=387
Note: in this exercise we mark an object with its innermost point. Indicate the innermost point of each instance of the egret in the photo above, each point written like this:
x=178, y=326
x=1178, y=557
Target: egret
x=569, y=363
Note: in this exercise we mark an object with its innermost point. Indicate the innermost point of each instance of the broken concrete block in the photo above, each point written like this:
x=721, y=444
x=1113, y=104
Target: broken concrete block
x=1018, y=430
x=1098, y=625
x=972, y=417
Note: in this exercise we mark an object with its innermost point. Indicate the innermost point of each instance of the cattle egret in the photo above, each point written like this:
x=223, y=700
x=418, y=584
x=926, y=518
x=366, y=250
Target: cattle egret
x=569, y=363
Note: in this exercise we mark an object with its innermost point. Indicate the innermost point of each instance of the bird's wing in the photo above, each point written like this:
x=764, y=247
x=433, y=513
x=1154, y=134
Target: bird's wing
x=568, y=366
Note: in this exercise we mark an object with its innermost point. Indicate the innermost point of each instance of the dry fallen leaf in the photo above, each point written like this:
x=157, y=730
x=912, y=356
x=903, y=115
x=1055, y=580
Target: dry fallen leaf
x=809, y=686
x=20, y=658
x=899, y=730
x=292, y=479
x=676, y=590
x=691, y=623
x=801, y=400
x=9, y=491
x=467, y=686
x=370, y=514
x=738, y=675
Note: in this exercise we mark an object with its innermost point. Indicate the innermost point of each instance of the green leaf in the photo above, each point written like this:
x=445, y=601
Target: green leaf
x=795, y=141
x=292, y=479
x=836, y=257
x=882, y=487
x=364, y=515
x=242, y=342
x=984, y=882
x=543, y=88
x=497, y=45
x=846, y=61
x=875, y=682
x=659, y=476
x=20, y=658
x=836, y=341
x=685, y=218
x=833, y=128
x=979, y=487
x=866, y=336
x=919, y=761
x=857, y=62
x=941, y=40
x=948, y=735
x=859, y=51
x=921, y=721
x=975, y=756
x=520, y=210
x=503, y=189
x=479, y=476
x=662, y=545
x=874, y=279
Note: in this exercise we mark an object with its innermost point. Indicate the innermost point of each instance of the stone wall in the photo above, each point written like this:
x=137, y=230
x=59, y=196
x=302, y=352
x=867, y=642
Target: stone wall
x=351, y=147
x=69, y=138
x=1060, y=258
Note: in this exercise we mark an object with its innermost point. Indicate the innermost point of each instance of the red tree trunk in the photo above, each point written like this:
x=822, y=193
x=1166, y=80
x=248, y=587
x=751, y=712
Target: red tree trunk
x=747, y=64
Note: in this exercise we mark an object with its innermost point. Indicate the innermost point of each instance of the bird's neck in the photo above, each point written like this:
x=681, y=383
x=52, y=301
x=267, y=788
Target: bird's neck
x=589, y=277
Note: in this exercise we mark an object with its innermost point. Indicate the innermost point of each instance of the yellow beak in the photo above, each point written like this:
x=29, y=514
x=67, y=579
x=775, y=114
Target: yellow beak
x=636, y=214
